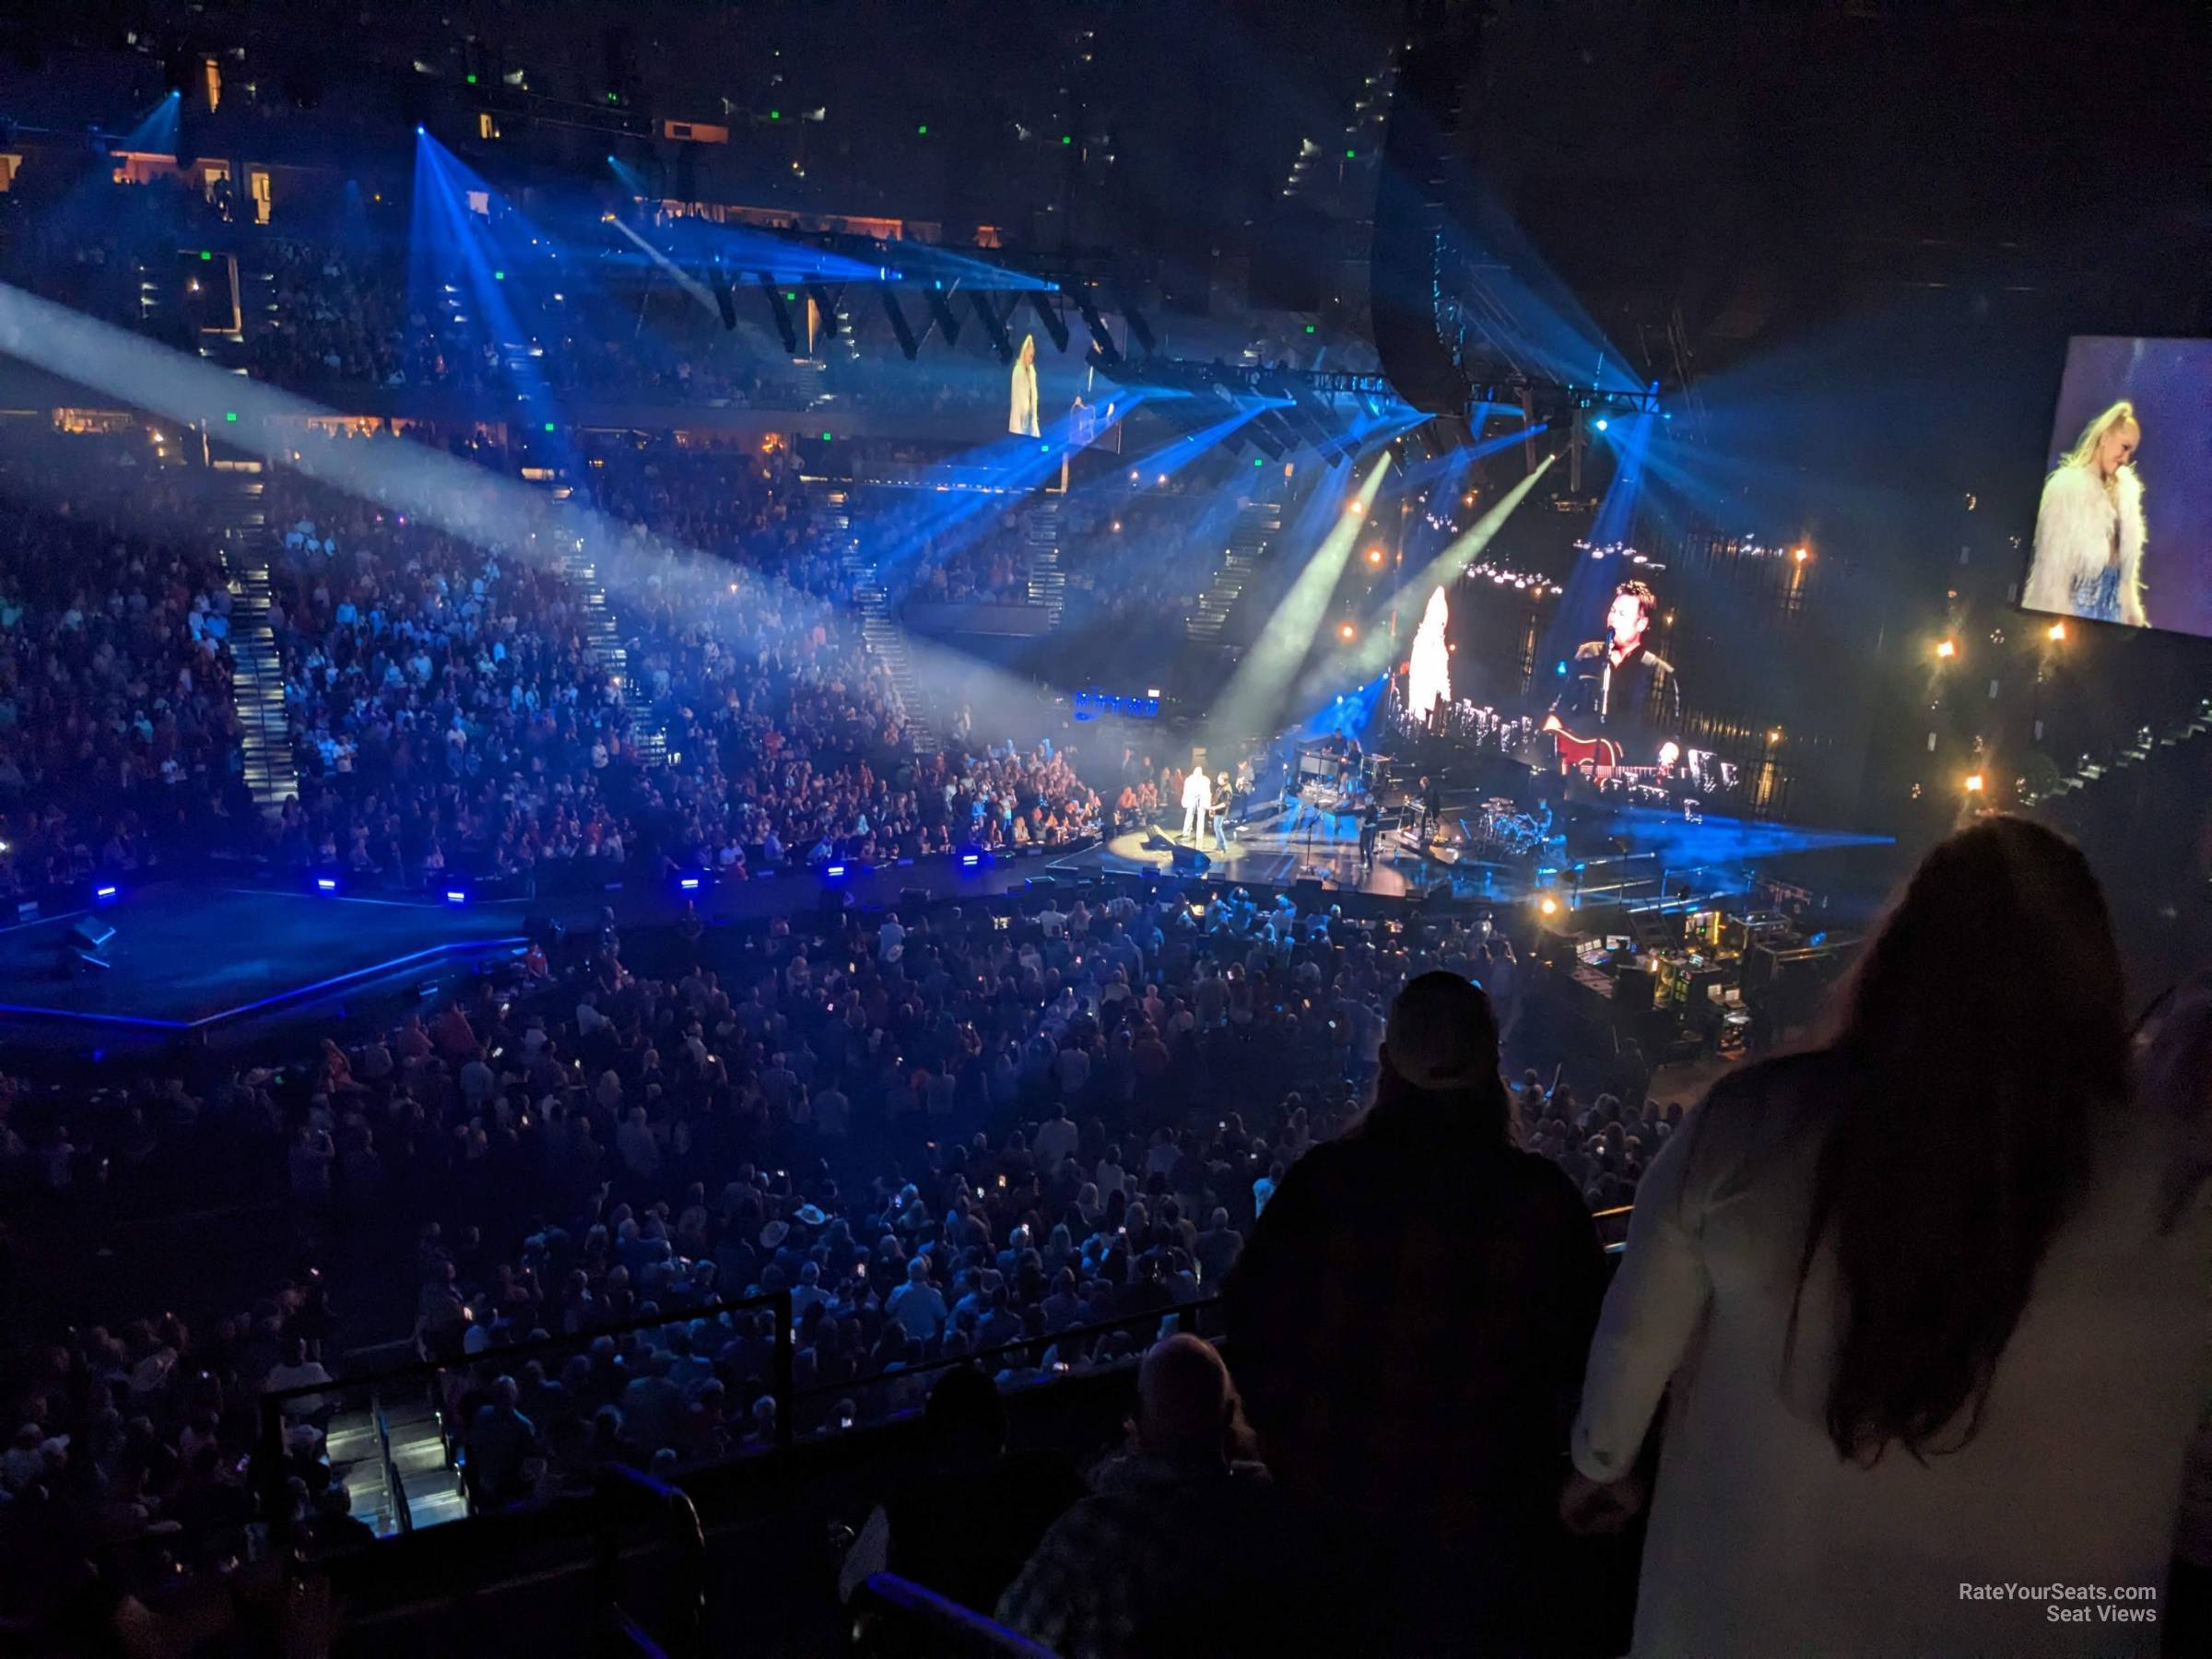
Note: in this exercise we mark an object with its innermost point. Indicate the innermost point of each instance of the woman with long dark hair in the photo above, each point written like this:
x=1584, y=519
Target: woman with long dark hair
x=1926, y=1314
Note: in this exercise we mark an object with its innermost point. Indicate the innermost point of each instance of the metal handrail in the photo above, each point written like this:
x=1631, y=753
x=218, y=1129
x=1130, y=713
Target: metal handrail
x=951, y=1628
x=396, y=1489
x=675, y=1508
x=1619, y=1212
x=1125, y=1322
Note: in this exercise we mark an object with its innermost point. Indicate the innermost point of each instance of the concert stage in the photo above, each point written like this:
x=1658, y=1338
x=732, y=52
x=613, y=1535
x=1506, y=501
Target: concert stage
x=191, y=960
x=1279, y=847
x=1635, y=857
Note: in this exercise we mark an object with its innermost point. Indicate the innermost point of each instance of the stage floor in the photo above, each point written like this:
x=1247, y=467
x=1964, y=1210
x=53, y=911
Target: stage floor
x=186, y=955
x=1280, y=849
x=190, y=957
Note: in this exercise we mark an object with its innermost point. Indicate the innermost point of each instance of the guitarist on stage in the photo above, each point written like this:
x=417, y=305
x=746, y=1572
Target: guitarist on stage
x=1619, y=701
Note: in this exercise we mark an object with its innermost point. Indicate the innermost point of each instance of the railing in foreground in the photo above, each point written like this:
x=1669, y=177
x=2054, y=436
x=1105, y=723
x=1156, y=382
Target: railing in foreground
x=895, y=1616
x=1613, y=1226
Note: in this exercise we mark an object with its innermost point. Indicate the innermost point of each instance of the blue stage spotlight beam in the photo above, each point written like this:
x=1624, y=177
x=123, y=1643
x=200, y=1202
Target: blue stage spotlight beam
x=480, y=506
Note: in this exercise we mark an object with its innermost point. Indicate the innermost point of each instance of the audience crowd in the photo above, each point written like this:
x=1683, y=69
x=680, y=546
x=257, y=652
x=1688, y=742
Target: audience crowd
x=942, y=1136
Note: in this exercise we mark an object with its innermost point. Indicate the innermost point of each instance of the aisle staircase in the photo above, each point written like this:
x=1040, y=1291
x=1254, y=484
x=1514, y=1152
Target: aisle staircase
x=885, y=638
x=391, y=1457
x=1041, y=537
x=1258, y=524
x=603, y=640
x=2145, y=746
x=248, y=544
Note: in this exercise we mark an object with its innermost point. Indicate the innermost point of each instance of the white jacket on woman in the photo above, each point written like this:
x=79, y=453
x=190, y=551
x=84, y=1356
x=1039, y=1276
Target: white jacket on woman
x=2074, y=533
x=1764, y=1542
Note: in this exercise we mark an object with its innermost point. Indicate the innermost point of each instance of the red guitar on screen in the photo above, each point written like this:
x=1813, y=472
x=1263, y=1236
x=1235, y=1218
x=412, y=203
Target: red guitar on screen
x=1596, y=758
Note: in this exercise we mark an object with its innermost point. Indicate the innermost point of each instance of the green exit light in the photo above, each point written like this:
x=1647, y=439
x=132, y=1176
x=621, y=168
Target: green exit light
x=614, y=98
x=1258, y=461
x=472, y=80
x=922, y=131
x=825, y=438
x=789, y=295
x=1309, y=328
x=205, y=255
x=499, y=276
x=231, y=415
x=1351, y=155
x=1065, y=138
x=775, y=114
x=548, y=426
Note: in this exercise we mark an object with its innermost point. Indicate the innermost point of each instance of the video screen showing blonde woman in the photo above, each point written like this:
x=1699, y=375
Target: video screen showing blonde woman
x=2124, y=530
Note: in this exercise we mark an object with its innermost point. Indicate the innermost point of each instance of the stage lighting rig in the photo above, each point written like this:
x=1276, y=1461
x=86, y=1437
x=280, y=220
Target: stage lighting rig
x=1103, y=354
x=1139, y=330
x=910, y=346
x=1048, y=313
x=995, y=324
x=725, y=297
x=941, y=314
x=781, y=311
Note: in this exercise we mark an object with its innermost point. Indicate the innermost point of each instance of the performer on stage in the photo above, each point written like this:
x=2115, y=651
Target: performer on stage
x=1619, y=691
x=1022, y=414
x=1371, y=829
x=2088, y=531
x=1224, y=798
x=1197, y=801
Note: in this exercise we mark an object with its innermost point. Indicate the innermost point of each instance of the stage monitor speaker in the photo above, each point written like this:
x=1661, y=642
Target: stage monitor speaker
x=1035, y=882
x=1188, y=861
x=93, y=934
x=1307, y=893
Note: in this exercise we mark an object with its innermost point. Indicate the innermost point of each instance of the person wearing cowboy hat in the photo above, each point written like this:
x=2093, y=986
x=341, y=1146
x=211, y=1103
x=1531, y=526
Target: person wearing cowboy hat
x=1411, y=1318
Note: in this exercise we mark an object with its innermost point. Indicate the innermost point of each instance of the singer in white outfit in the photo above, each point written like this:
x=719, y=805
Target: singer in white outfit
x=1197, y=801
x=2088, y=531
x=1022, y=414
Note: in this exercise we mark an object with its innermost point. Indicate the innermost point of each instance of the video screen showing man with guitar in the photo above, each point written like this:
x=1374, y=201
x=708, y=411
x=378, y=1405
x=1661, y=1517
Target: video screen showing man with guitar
x=1619, y=714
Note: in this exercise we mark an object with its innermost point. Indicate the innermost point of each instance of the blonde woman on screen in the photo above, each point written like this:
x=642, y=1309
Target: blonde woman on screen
x=1022, y=415
x=2089, y=532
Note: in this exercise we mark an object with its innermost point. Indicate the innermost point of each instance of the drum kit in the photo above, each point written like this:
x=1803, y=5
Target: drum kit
x=1500, y=829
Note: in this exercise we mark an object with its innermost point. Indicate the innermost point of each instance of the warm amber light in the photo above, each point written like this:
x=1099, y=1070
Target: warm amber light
x=1348, y=630
x=1374, y=556
x=1948, y=648
x=1550, y=907
x=1973, y=782
x=2058, y=630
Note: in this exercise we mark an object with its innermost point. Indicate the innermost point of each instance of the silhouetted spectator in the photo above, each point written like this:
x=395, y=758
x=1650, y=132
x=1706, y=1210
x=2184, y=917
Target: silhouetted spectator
x=1408, y=1317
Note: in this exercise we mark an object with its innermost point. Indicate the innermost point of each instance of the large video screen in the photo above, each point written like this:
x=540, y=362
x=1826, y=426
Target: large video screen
x=2124, y=530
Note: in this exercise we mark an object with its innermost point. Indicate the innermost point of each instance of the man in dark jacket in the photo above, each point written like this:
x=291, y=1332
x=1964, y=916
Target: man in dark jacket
x=1411, y=1318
